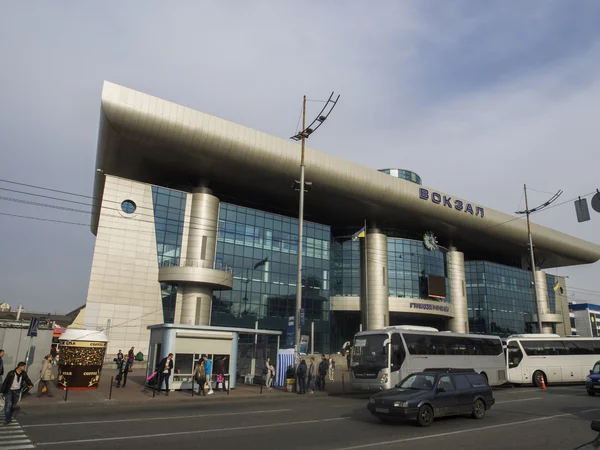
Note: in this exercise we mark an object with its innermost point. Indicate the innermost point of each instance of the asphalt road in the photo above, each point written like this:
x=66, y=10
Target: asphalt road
x=523, y=418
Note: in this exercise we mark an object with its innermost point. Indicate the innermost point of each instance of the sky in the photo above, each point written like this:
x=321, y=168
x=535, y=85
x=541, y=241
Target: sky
x=476, y=97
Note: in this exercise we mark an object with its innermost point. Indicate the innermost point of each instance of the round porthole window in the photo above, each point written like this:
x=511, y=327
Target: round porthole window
x=128, y=207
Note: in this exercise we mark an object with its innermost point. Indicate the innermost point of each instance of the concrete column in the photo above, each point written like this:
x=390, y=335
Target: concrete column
x=202, y=236
x=543, y=304
x=377, y=289
x=196, y=305
x=458, y=291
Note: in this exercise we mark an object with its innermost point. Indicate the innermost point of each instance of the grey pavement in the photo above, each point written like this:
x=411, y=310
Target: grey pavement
x=523, y=418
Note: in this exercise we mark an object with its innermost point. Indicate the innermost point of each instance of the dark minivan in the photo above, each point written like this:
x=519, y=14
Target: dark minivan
x=434, y=393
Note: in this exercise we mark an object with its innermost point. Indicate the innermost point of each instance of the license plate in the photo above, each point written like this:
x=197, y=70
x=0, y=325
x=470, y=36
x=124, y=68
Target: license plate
x=382, y=410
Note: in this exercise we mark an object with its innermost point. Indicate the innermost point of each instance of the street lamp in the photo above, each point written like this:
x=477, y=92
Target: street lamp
x=302, y=187
x=531, y=255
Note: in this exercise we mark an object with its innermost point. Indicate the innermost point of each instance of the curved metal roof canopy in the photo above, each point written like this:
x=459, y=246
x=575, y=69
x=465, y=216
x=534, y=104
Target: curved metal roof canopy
x=155, y=141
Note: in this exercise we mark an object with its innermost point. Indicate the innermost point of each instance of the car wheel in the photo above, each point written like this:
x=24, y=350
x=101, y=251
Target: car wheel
x=591, y=393
x=478, y=409
x=425, y=416
x=538, y=376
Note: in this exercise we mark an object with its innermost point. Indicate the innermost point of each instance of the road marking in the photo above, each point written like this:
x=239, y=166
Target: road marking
x=183, y=433
x=518, y=400
x=452, y=433
x=588, y=410
x=12, y=437
x=146, y=419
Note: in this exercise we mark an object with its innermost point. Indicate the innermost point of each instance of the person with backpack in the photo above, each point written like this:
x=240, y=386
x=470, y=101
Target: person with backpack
x=323, y=368
x=16, y=380
x=302, y=370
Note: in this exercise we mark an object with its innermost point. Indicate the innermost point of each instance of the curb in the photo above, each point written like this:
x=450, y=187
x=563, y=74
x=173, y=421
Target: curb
x=28, y=407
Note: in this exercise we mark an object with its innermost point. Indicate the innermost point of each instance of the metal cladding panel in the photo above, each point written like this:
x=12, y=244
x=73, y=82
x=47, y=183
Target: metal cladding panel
x=458, y=291
x=378, y=310
x=238, y=160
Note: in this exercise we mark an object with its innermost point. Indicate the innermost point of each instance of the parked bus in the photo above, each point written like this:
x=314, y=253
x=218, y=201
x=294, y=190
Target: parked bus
x=382, y=358
x=555, y=359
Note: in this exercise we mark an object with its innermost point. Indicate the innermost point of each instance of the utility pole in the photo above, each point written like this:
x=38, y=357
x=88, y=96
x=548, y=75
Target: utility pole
x=305, y=187
x=527, y=212
x=300, y=232
x=532, y=257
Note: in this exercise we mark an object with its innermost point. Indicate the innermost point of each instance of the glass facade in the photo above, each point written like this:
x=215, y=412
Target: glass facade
x=262, y=250
x=346, y=267
x=403, y=174
x=169, y=217
x=410, y=263
x=499, y=298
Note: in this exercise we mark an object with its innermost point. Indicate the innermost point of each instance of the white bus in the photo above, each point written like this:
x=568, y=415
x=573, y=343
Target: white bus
x=382, y=358
x=556, y=359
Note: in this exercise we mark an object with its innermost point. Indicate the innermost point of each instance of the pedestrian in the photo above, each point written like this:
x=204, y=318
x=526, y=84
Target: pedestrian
x=122, y=370
x=1, y=366
x=302, y=370
x=323, y=368
x=16, y=380
x=208, y=370
x=120, y=355
x=200, y=376
x=348, y=357
x=164, y=369
x=220, y=373
x=45, y=377
x=311, y=375
x=331, y=368
x=54, y=354
x=269, y=371
x=130, y=359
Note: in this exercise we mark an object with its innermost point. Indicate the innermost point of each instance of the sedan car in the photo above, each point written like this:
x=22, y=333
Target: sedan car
x=592, y=381
x=434, y=393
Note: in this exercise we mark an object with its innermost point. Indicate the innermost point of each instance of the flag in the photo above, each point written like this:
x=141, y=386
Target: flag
x=557, y=286
x=359, y=234
x=260, y=263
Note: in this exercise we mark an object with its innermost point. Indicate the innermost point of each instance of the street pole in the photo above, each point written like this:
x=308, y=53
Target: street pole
x=366, y=327
x=531, y=255
x=300, y=231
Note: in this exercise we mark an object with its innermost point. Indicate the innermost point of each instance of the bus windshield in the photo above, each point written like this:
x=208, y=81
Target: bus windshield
x=369, y=351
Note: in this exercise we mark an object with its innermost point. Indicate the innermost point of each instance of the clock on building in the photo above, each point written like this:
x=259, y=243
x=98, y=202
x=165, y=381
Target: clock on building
x=430, y=241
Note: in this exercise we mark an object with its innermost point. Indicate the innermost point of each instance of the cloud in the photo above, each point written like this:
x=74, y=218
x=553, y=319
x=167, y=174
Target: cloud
x=478, y=99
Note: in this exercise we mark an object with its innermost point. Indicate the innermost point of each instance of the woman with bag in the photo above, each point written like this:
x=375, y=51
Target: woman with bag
x=46, y=377
x=200, y=376
x=220, y=373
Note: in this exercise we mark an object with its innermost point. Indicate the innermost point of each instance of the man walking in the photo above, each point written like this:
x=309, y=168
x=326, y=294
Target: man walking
x=45, y=377
x=164, y=368
x=14, y=382
x=323, y=368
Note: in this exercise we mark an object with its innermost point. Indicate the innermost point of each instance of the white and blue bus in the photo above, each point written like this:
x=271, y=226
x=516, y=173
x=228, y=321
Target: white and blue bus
x=382, y=358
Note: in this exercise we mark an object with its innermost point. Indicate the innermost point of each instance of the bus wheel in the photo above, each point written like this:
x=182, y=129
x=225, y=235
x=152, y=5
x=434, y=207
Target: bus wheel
x=538, y=376
x=485, y=377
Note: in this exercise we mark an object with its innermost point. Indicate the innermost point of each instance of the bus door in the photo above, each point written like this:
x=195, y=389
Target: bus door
x=514, y=356
x=397, y=355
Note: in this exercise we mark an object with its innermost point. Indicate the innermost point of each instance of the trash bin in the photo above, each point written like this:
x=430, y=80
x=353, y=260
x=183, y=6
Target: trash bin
x=290, y=384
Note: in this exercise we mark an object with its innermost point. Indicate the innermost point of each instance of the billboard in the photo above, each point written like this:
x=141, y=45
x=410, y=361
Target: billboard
x=80, y=364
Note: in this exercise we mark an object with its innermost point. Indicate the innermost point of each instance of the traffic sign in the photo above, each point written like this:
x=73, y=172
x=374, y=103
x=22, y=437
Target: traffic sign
x=33, y=327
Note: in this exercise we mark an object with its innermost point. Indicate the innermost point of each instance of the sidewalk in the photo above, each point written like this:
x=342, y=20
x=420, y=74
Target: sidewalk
x=136, y=393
